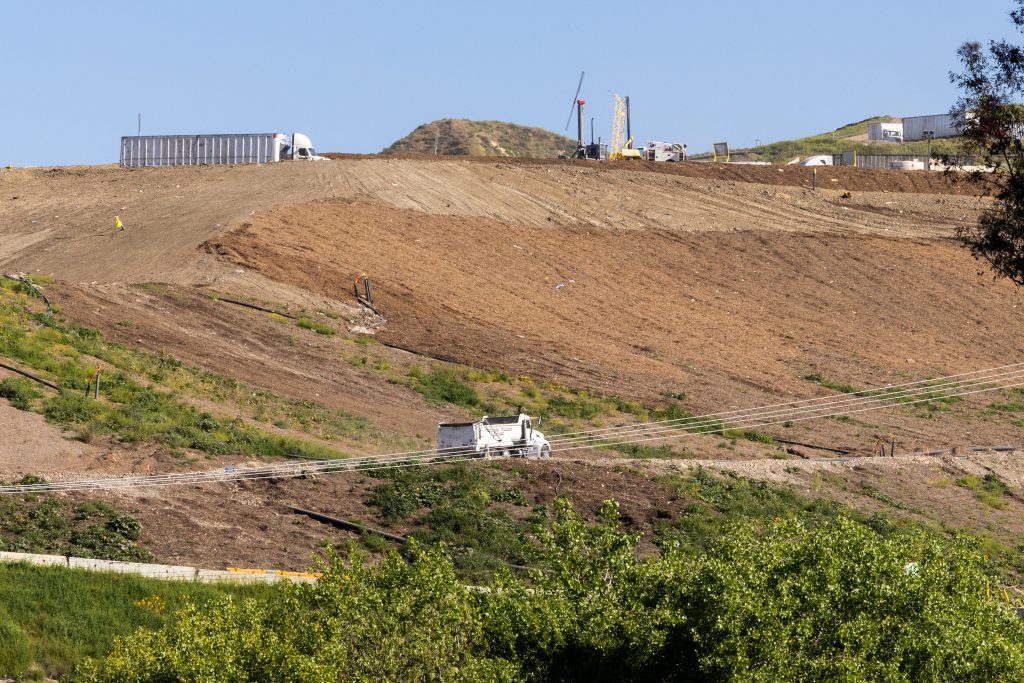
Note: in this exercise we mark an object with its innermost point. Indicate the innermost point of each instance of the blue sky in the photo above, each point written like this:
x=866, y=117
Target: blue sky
x=355, y=76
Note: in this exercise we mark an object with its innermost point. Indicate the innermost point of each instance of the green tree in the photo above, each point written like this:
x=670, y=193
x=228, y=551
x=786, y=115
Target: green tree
x=842, y=603
x=400, y=621
x=992, y=120
x=768, y=601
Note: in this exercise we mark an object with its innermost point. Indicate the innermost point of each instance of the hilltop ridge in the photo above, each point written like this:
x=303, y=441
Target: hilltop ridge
x=463, y=137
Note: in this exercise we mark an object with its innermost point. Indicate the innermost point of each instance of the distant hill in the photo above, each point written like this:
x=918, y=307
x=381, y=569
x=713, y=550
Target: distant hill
x=462, y=137
x=847, y=138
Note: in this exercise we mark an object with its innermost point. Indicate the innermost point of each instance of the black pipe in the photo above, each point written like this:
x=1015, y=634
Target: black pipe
x=344, y=524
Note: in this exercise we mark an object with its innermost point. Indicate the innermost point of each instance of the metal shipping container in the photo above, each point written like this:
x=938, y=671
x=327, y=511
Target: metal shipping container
x=942, y=124
x=192, y=150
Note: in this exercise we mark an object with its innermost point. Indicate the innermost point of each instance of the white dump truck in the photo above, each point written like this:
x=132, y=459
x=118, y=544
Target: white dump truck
x=229, y=148
x=513, y=435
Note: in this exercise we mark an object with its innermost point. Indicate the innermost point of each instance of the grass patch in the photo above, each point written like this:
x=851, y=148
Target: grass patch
x=318, y=327
x=823, y=381
x=990, y=489
x=131, y=410
x=749, y=435
x=713, y=501
x=969, y=481
x=643, y=451
x=52, y=617
x=21, y=392
x=442, y=385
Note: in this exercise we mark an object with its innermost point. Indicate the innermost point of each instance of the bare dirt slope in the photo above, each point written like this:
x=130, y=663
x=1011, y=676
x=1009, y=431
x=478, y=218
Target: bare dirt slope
x=60, y=221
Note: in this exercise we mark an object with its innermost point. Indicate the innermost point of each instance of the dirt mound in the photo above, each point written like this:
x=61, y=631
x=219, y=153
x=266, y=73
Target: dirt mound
x=462, y=137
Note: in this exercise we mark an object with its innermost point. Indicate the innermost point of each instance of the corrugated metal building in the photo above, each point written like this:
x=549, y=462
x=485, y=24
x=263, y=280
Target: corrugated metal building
x=193, y=150
x=886, y=160
x=942, y=124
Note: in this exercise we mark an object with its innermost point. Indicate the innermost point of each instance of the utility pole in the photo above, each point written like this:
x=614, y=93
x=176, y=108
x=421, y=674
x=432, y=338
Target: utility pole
x=140, y=123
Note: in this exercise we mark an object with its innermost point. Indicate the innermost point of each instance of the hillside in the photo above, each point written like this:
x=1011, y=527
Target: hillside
x=462, y=137
x=594, y=296
x=846, y=138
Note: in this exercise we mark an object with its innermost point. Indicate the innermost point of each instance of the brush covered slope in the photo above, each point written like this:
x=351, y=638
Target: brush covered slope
x=462, y=137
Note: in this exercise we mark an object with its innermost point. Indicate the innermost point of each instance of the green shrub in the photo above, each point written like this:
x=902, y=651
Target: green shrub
x=47, y=524
x=19, y=391
x=71, y=408
x=579, y=407
x=444, y=386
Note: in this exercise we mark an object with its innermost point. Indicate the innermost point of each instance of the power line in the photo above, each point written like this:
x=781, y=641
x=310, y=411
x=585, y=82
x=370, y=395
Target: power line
x=920, y=392
x=938, y=382
x=882, y=396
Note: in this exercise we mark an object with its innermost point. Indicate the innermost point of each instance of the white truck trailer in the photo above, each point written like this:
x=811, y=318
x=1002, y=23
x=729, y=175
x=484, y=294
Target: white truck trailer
x=196, y=150
x=513, y=435
x=665, y=151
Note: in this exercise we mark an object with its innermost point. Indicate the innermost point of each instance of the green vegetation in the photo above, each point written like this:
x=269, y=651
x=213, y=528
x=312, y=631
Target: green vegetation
x=712, y=502
x=50, y=525
x=775, y=601
x=51, y=617
x=563, y=409
x=461, y=137
x=1014, y=403
x=135, y=413
x=839, y=141
x=139, y=394
x=463, y=507
x=643, y=451
x=442, y=385
x=989, y=489
x=746, y=569
x=926, y=400
x=21, y=392
x=991, y=114
x=841, y=387
x=307, y=323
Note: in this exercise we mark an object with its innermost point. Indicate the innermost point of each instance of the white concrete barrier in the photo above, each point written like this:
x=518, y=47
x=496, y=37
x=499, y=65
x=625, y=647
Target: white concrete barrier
x=33, y=558
x=159, y=571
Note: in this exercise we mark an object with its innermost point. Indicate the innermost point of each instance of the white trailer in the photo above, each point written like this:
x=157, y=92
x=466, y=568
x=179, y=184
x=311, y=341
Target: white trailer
x=511, y=435
x=885, y=132
x=665, y=151
x=197, y=150
x=941, y=126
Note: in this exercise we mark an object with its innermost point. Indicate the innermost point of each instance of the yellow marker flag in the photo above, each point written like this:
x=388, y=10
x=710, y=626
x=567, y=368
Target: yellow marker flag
x=118, y=225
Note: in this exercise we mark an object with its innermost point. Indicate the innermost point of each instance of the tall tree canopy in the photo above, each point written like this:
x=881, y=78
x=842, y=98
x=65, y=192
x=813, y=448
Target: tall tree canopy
x=991, y=116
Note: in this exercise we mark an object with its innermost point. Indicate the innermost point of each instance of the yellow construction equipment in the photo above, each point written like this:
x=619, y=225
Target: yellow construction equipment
x=620, y=149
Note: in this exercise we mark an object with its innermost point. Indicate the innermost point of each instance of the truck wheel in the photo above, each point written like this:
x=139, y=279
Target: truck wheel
x=545, y=451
